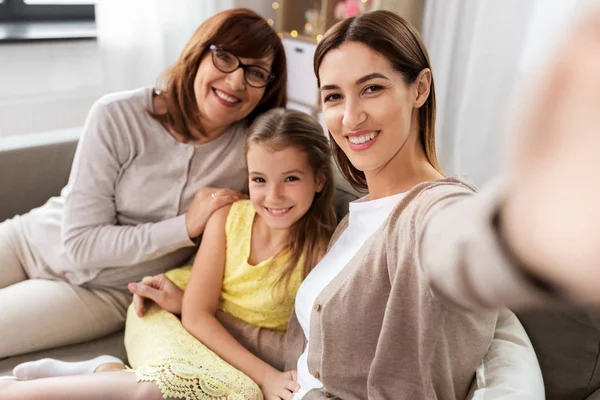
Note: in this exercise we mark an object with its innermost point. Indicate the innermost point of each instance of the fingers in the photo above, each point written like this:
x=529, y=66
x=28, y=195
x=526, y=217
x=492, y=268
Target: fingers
x=286, y=395
x=164, y=284
x=294, y=375
x=222, y=201
x=292, y=386
x=138, y=303
x=217, y=193
x=144, y=290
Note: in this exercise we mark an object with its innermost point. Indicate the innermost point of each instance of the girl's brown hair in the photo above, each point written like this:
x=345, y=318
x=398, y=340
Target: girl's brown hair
x=396, y=39
x=245, y=34
x=280, y=129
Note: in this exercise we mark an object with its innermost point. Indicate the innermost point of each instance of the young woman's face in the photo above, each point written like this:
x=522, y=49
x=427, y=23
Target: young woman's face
x=282, y=184
x=225, y=98
x=367, y=105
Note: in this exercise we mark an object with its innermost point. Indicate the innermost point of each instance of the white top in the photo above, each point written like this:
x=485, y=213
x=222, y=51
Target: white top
x=122, y=214
x=365, y=217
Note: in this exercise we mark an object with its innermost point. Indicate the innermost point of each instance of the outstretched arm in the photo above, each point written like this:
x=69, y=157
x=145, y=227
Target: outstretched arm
x=536, y=235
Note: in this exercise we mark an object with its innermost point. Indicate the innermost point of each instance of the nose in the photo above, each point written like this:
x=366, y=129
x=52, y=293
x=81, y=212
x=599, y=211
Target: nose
x=235, y=80
x=354, y=114
x=275, y=194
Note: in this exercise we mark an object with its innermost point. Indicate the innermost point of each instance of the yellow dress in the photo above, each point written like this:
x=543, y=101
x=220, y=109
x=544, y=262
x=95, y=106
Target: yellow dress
x=159, y=348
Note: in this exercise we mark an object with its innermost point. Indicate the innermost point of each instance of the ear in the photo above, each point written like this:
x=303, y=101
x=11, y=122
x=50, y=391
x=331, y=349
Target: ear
x=320, y=181
x=422, y=87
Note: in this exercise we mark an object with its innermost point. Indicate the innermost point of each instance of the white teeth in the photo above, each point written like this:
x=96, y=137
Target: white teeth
x=226, y=97
x=362, y=138
x=278, y=210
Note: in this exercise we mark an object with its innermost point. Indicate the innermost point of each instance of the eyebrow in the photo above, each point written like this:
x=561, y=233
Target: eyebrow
x=260, y=62
x=294, y=171
x=358, y=81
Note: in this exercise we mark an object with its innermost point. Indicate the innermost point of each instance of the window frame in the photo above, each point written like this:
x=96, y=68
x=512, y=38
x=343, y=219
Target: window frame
x=19, y=11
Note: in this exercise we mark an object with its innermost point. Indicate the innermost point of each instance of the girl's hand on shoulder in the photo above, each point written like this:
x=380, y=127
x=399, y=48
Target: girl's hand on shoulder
x=280, y=385
x=159, y=289
x=206, y=201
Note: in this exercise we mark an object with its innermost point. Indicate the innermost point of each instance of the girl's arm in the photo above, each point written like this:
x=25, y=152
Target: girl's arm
x=200, y=302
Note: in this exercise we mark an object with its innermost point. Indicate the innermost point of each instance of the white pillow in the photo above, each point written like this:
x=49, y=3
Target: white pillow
x=510, y=369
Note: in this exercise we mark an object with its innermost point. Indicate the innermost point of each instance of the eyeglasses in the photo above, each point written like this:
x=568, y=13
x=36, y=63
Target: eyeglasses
x=254, y=75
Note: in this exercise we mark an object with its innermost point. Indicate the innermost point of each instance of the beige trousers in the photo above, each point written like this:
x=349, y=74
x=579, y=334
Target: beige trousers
x=38, y=313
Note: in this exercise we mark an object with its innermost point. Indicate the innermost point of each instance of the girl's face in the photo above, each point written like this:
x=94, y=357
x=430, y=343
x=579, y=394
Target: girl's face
x=368, y=107
x=225, y=98
x=282, y=184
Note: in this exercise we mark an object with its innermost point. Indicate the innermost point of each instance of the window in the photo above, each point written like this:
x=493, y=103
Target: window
x=46, y=10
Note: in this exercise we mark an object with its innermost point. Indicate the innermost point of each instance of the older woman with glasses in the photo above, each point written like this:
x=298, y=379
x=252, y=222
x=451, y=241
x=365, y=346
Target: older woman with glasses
x=152, y=165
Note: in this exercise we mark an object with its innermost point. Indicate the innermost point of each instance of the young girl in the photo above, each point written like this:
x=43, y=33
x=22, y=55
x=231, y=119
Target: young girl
x=253, y=256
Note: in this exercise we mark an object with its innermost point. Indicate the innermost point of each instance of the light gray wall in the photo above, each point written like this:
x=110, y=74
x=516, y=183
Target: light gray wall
x=263, y=7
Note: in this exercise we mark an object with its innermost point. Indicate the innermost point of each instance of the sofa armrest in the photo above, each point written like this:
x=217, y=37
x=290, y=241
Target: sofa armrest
x=33, y=168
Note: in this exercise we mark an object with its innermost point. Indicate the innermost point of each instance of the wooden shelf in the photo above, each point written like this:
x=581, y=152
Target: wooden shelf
x=291, y=14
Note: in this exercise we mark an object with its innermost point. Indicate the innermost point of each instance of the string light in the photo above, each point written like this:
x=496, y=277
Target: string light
x=275, y=5
x=270, y=22
x=294, y=33
x=319, y=38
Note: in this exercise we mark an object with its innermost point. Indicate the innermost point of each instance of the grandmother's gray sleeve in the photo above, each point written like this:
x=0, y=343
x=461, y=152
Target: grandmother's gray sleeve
x=91, y=235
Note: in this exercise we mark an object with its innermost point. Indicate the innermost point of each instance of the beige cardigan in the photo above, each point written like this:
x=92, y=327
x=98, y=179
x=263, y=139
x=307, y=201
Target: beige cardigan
x=403, y=319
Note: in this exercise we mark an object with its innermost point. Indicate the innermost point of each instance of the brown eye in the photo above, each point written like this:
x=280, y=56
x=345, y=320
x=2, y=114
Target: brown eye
x=332, y=97
x=225, y=57
x=372, y=88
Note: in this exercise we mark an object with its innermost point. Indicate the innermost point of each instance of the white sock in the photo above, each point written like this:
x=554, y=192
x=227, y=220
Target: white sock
x=49, y=367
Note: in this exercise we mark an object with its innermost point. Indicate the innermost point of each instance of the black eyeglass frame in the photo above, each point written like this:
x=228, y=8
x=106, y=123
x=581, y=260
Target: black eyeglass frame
x=214, y=48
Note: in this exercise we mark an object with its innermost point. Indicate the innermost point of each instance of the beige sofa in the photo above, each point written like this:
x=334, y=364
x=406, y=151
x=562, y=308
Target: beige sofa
x=34, y=168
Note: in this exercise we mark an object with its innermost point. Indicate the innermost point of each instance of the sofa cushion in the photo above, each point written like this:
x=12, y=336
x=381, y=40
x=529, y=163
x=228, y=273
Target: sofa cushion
x=567, y=344
x=38, y=166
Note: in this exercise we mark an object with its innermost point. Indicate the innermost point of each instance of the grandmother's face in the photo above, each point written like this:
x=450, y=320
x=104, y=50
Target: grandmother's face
x=226, y=98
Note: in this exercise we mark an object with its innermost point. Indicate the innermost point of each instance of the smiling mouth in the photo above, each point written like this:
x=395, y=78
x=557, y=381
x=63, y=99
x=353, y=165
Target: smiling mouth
x=361, y=139
x=277, y=212
x=225, y=97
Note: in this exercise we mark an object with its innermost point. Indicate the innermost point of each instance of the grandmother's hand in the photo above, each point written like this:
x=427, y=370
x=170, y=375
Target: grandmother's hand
x=206, y=201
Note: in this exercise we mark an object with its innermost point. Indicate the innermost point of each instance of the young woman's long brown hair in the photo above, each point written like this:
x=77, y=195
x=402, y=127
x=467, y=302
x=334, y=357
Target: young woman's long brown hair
x=396, y=39
x=245, y=34
x=280, y=129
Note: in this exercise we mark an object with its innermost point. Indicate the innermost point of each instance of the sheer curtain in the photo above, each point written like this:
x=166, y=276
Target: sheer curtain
x=482, y=52
x=138, y=39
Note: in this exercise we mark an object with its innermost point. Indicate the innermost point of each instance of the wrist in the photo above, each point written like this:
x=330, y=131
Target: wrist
x=264, y=374
x=191, y=231
x=506, y=242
